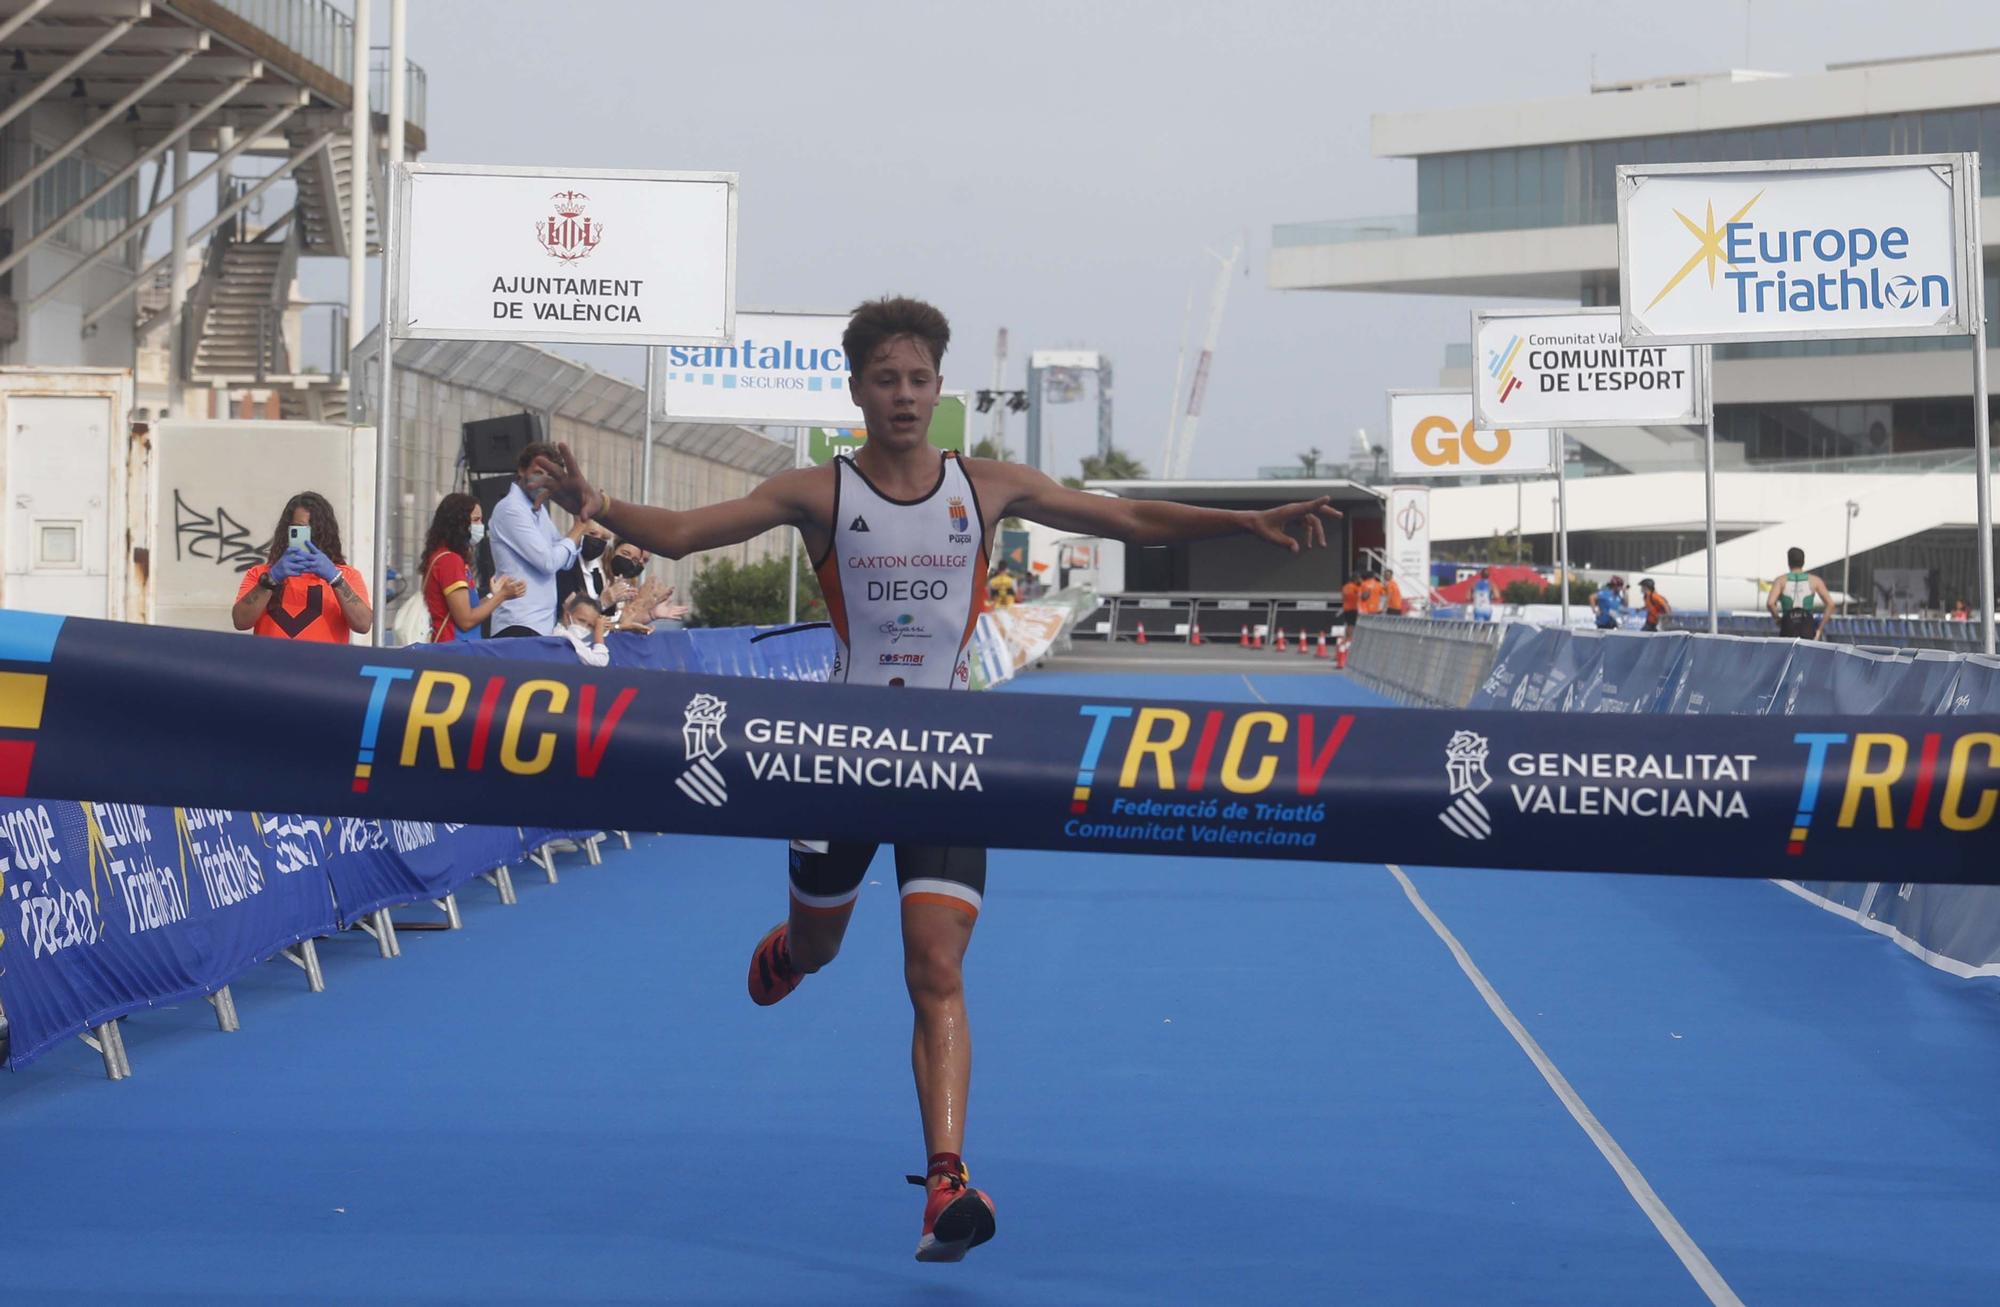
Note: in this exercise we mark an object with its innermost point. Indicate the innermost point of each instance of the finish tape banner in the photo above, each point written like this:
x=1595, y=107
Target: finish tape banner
x=160, y=716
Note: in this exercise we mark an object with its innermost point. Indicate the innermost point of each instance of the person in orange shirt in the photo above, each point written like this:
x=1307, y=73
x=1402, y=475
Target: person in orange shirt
x=304, y=589
x=1656, y=603
x=1371, y=593
x=1350, y=604
x=1392, y=594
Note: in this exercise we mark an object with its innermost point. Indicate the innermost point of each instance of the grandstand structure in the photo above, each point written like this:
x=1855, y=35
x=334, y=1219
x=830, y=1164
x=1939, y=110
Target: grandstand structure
x=168, y=170
x=1516, y=202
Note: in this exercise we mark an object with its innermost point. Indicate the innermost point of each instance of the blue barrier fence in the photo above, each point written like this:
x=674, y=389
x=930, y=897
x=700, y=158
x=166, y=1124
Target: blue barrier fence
x=108, y=909
x=1875, y=632
x=1954, y=927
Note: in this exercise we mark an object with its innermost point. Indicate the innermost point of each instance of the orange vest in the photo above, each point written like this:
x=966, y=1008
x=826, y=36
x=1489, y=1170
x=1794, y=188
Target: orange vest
x=1371, y=596
x=1350, y=597
x=1395, y=593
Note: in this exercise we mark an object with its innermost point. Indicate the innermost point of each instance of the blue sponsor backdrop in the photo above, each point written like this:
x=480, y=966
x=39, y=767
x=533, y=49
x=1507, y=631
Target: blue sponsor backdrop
x=108, y=908
x=114, y=907
x=1955, y=925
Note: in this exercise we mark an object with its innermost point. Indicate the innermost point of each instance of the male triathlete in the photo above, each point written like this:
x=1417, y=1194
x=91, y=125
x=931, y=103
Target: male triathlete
x=1799, y=600
x=898, y=534
x=1482, y=598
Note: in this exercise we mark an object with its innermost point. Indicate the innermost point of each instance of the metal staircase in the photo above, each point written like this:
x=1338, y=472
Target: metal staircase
x=325, y=183
x=237, y=313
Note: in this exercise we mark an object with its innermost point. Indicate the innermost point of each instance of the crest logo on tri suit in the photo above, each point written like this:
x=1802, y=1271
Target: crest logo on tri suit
x=701, y=736
x=961, y=521
x=859, y=524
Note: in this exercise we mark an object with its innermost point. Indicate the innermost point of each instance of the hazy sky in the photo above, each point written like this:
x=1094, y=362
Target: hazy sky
x=1058, y=168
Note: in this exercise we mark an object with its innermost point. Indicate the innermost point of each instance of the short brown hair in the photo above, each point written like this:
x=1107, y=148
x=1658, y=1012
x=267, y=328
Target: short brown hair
x=540, y=449
x=880, y=321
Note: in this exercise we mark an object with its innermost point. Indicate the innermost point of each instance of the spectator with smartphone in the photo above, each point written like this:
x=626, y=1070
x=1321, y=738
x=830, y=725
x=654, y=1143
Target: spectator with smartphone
x=304, y=589
x=528, y=544
x=454, y=606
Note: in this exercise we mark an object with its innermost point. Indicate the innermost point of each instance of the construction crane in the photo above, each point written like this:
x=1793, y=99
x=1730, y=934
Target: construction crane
x=1181, y=428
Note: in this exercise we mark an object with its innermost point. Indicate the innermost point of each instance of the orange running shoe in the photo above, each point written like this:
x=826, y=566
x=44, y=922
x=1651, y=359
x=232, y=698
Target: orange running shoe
x=957, y=1218
x=771, y=973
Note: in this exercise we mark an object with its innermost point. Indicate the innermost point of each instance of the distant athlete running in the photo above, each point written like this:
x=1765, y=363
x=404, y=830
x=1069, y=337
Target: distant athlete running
x=898, y=536
x=1799, y=600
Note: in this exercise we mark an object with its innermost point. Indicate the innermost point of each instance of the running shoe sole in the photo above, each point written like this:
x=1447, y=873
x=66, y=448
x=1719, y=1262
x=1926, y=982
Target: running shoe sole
x=962, y=1226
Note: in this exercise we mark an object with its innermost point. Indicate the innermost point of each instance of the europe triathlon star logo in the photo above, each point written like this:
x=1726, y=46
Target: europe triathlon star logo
x=1500, y=366
x=1710, y=248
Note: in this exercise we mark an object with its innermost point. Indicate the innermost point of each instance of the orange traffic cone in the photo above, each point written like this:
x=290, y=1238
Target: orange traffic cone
x=1257, y=638
x=1340, y=655
x=1280, y=646
x=1142, y=633
x=1243, y=638
x=1194, y=635
x=1322, y=645
x=1304, y=644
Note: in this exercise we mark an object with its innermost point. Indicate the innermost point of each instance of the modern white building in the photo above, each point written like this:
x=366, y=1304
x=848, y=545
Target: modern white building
x=1516, y=202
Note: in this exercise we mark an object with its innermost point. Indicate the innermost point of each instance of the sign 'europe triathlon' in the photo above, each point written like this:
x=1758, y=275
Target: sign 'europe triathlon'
x=565, y=255
x=1796, y=249
x=1531, y=367
x=1431, y=434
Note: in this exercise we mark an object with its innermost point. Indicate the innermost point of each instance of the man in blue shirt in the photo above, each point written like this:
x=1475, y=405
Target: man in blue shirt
x=1482, y=598
x=1609, y=602
x=526, y=544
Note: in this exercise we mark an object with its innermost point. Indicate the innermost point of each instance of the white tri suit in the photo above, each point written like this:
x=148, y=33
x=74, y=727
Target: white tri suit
x=905, y=581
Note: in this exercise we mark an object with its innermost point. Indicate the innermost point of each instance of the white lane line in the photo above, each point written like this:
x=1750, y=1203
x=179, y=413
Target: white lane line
x=1253, y=689
x=1678, y=1239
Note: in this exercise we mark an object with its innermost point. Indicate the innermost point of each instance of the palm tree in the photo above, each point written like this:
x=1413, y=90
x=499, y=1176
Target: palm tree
x=1310, y=461
x=1116, y=465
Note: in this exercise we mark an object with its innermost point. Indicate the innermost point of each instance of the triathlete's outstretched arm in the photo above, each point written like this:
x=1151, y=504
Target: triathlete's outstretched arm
x=1025, y=492
x=784, y=500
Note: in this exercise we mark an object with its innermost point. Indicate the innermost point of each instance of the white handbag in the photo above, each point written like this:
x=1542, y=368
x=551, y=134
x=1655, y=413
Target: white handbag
x=413, y=615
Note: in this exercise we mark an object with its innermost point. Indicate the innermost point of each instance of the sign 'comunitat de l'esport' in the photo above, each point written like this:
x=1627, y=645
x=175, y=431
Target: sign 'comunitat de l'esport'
x=572, y=255
x=1568, y=369
x=1796, y=249
x=1431, y=434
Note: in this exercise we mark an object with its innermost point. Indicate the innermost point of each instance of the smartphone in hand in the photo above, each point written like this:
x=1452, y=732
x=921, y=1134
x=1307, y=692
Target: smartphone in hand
x=301, y=537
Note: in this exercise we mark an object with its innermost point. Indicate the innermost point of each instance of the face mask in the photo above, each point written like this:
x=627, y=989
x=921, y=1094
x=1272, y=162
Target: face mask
x=582, y=632
x=478, y=530
x=593, y=547
x=626, y=568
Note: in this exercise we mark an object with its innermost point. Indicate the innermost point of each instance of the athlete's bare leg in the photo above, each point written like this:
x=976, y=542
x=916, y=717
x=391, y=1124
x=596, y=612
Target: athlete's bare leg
x=813, y=934
x=934, y=940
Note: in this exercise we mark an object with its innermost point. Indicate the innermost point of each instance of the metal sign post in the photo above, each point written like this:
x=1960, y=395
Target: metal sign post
x=1556, y=451
x=1708, y=498
x=385, y=415
x=1982, y=435
x=646, y=455
x=792, y=554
